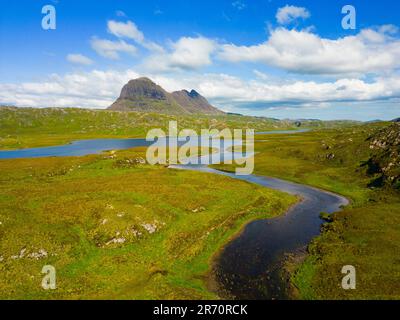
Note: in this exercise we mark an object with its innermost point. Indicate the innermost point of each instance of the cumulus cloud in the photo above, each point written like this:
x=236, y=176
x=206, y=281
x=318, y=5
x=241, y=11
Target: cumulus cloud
x=77, y=58
x=388, y=29
x=125, y=30
x=185, y=54
x=98, y=89
x=129, y=30
x=95, y=89
x=371, y=51
x=288, y=14
x=232, y=89
x=111, y=49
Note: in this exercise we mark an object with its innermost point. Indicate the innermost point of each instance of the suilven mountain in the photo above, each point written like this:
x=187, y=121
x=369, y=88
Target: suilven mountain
x=144, y=95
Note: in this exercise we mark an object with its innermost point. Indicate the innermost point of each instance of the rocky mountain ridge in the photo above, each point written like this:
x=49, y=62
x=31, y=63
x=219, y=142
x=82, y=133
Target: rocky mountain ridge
x=144, y=95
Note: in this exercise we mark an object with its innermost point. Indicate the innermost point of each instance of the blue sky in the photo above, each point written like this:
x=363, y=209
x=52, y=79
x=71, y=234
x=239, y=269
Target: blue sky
x=284, y=59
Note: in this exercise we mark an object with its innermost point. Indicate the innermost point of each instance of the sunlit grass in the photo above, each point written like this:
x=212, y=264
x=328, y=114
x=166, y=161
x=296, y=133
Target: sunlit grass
x=119, y=230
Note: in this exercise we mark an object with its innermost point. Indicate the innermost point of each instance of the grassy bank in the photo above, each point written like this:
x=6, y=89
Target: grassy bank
x=117, y=229
x=366, y=234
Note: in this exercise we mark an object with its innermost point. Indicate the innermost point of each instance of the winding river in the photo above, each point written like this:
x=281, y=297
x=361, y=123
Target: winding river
x=249, y=267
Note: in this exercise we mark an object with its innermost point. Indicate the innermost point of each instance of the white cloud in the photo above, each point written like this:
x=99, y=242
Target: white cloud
x=79, y=59
x=388, y=29
x=111, y=49
x=371, y=51
x=232, y=89
x=129, y=30
x=192, y=52
x=185, y=54
x=288, y=14
x=98, y=89
x=125, y=30
x=95, y=89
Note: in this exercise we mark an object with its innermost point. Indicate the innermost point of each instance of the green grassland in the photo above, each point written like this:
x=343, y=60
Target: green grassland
x=366, y=234
x=29, y=127
x=117, y=228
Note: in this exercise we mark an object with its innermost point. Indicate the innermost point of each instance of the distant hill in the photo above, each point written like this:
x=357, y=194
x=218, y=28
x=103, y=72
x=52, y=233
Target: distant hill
x=144, y=95
x=38, y=127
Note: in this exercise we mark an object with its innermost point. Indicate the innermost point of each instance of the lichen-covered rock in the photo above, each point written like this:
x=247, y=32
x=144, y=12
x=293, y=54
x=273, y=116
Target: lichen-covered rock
x=129, y=162
x=150, y=228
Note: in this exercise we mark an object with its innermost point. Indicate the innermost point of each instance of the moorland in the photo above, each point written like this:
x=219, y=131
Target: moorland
x=116, y=227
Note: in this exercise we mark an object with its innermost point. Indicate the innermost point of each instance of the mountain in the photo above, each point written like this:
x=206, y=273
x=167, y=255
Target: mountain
x=144, y=95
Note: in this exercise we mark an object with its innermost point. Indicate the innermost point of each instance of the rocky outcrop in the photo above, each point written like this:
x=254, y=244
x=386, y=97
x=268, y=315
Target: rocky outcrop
x=384, y=162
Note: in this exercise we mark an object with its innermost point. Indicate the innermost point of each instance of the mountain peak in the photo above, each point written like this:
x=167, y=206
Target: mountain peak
x=194, y=94
x=142, y=88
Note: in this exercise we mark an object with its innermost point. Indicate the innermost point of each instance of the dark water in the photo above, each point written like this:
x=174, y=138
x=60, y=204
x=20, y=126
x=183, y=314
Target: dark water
x=249, y=267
